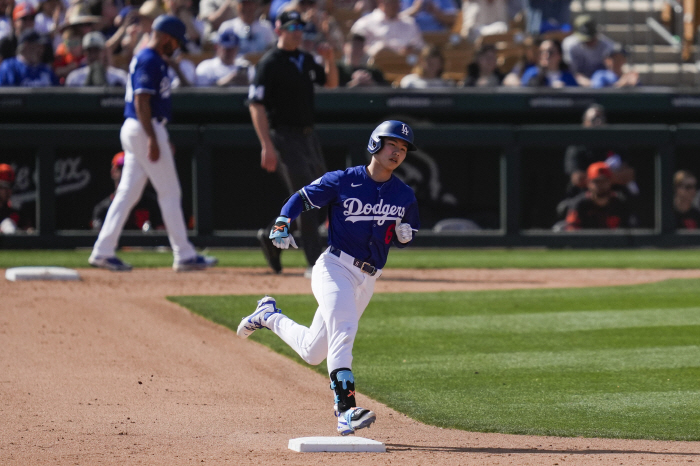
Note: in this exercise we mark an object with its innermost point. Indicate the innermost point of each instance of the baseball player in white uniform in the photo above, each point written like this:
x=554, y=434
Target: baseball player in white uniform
x=370, y=210
x=148, y=154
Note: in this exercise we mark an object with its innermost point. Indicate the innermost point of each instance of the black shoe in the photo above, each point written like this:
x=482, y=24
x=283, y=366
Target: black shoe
x=271, y=253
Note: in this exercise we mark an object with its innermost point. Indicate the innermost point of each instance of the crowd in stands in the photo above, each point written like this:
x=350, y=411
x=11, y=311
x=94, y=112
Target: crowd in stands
x=404, y=43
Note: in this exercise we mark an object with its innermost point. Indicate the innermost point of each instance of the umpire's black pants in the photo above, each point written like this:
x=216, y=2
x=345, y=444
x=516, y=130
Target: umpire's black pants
x=301, y=162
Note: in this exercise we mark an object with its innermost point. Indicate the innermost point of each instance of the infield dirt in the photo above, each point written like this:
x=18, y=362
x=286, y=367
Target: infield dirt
x=107, y=371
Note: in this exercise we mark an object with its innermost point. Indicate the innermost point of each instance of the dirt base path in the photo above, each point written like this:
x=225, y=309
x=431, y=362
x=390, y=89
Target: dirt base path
x=106, y=371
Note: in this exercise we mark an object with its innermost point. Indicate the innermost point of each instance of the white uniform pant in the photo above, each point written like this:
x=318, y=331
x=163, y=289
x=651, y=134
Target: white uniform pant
x=343, y=292
x=138, y=169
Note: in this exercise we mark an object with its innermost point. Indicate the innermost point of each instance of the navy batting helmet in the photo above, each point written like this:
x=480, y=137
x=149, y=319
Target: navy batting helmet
x=391, y=129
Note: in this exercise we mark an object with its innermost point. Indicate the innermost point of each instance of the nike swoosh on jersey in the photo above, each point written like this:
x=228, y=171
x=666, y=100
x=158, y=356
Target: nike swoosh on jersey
x=355, y=185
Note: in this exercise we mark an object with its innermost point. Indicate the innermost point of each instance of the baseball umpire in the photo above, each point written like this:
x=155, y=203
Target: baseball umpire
x=148, y=153
x=370, y=210
x=281, y=107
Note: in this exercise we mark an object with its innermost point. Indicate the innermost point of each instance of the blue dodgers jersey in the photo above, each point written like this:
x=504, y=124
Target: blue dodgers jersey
x=148, y=73
x=363, y=213
x=14, y=72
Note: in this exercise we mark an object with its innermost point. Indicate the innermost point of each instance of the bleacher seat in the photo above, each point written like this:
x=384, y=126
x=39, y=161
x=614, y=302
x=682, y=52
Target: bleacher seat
x=437, y=38
x=457, y=57
x=393, y=65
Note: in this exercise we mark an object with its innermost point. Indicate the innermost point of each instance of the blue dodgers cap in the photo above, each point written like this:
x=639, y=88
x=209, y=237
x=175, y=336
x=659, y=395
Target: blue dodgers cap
x=171, y=26
x=29, y=35
x=227, y=38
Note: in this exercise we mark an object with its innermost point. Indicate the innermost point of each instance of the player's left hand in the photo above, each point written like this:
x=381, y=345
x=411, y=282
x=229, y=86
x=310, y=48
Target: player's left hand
x=404, y=232
x=153, y=150
x=280, y=235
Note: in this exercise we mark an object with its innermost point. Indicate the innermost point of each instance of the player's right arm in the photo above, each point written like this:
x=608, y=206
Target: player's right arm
x=316, y=195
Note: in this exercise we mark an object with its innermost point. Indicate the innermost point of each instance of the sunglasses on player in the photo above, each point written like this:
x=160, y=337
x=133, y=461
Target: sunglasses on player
x=294, y=27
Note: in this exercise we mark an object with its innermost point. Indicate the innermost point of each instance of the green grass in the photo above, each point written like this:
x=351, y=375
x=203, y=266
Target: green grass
x=619, y=362
x=408, y=258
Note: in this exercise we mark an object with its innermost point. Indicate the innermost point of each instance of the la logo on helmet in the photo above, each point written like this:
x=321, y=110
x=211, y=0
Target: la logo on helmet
x=404, y=129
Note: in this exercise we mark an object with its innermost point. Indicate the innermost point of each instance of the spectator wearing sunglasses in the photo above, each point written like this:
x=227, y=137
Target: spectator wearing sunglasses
x=281, y=102
x=685, y=187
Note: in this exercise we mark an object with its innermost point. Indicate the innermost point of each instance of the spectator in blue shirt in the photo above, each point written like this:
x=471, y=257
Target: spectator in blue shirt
x=431, y=15
x=26, y=69
x=614, y=74
x=550, y=71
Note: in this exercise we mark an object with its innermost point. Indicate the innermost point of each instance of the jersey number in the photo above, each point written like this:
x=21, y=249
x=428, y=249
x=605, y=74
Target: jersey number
x=389, y=233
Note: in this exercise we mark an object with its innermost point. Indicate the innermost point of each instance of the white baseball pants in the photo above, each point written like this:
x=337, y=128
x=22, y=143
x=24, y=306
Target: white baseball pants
x=342, y=292
x=138, y=169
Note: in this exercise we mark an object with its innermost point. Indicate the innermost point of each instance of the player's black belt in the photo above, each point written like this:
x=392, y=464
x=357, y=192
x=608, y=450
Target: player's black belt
x=366, y=267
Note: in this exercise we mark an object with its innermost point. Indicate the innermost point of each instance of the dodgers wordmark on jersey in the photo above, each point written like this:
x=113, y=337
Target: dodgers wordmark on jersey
x=148, y=73
x=362, y=212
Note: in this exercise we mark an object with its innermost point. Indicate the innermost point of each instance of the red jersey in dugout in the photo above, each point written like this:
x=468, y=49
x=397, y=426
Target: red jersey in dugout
x=584, y=213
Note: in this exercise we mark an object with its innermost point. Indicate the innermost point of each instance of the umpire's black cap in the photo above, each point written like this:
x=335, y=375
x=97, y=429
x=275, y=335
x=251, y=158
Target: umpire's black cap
x=290, y=17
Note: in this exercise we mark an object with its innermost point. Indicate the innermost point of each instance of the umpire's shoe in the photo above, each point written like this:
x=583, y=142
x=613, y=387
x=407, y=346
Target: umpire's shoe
x=112, y=263
x=271, y=253
x=353, y=419
x=196, y=263
x=258, y=319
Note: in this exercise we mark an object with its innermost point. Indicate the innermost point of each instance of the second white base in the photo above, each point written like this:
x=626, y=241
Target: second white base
x=336, y=444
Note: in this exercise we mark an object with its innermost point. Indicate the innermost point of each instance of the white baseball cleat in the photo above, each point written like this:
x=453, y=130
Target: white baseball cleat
x=112, y=263
x=353, y=419
x=258, y=319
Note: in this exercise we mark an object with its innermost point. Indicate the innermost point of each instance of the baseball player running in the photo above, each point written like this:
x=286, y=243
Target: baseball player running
x=148, y=153
x=370, y=210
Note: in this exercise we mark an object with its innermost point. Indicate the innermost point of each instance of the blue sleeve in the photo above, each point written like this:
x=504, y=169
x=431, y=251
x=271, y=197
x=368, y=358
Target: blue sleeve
x=447, y=6
x=599, y=79
x=293, y=207
x=527, y=75
x=146, y=79
x=410, y=217
x=321, y=192
x=276, y=8
x=6, y=74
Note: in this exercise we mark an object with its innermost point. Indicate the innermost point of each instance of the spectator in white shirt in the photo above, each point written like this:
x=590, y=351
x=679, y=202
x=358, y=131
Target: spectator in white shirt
x=385, y=28
x=254, y=36
x=224, y=69
x=483, y=18
x=96, y=72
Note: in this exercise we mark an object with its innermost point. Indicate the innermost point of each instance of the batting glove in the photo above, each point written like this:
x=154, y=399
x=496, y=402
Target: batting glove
x=280, y=235
x=404, y=232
